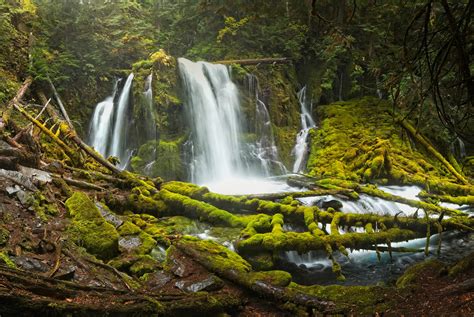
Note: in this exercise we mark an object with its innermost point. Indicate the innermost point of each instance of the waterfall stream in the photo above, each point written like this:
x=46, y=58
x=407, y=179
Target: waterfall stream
x=220, y=159
x=300, y=151
x=110, y=124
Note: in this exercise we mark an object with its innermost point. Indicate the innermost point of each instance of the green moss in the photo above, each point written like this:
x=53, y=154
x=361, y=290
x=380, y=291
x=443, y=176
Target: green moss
x=160, y=158
x=89, y=229
x=262, y=261
x=359, y=140
x=413, y=274
x=217, y=256
x=6, y=259
x=148, y=243
x=364, y=300
x=462, y=266
x=144, y=264
x=275, y=278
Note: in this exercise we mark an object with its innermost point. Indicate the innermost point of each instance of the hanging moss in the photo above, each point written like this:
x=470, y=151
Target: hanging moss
x=89, y=229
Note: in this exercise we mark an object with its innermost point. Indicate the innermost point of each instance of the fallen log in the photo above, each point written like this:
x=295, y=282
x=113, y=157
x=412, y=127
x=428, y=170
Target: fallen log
x=34, y=295
x=19, y=95
x=256, y=61
x=60, y=103
x=418, y=137
x=232, y=267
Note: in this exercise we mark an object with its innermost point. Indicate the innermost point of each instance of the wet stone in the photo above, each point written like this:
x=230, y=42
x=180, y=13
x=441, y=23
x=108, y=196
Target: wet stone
x=158, y=279
x=31, y=264
x=12, y=189
x=109, y=216
x=335, y=204
x=129, y=243
x=211, y=283
x=39, y=177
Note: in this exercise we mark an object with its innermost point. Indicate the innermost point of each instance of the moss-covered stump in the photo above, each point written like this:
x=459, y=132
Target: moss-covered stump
x=359, y=140
x=89, y=229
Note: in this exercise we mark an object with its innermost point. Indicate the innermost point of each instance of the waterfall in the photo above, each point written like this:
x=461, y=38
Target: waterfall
x=300, y=151
x=149, y=118
x=109, y=124
x=264, y=148
x=101, y=123
x=120, y=130
x=212, y=103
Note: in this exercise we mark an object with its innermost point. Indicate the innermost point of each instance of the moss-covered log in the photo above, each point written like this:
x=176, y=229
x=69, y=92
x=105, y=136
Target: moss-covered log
x=421, y=139
x=305, y=242
x=229, y=265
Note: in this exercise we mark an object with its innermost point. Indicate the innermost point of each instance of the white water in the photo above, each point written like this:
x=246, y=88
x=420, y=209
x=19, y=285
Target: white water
x=120, y=131
x=217, y=156
x=101, y=124
x=300, y=151
x=109, y=124
x=212, y=104
x=148, y=120
x=264, y=149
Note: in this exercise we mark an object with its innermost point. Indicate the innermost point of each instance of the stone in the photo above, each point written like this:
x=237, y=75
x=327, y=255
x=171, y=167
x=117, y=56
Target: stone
x=157, y=280
x=108, y=215
x=18, y=178
x=12, y=189
x=31, y=264
x=210, y=283
x=129, y=243
x=38, y=176
x=335, y=204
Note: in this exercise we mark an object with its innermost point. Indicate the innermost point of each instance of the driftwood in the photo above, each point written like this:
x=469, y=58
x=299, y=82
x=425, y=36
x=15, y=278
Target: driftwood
x=257, y=61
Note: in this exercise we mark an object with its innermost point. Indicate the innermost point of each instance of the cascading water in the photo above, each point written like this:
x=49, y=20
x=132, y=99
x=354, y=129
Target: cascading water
x=220, y=160
x=213, y=107
x=300, y=151
x=101, y=122
x=149, y=118
x=109, y=125
x=264, y=149
x=363, y=267
x=120, y=130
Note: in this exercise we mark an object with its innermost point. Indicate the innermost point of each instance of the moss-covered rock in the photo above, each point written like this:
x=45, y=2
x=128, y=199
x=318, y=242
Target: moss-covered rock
x=359, y=140
x=89, y=229
x=4, y=258
x=160, y=158
x=146, y=243
x=362, y=300
x=463, y=265
x=414, y=273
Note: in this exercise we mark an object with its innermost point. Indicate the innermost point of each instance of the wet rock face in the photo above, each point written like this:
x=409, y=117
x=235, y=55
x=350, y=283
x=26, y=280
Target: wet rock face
x=109, y=216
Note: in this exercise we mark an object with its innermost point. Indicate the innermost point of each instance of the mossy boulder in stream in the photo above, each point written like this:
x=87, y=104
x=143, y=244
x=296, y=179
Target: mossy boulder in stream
x=89, y=229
